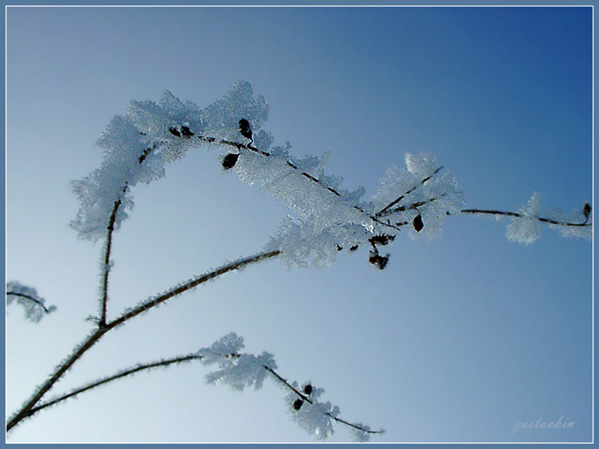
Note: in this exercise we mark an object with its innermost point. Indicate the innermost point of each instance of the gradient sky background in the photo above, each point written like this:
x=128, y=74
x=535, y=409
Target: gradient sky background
x=458, y=339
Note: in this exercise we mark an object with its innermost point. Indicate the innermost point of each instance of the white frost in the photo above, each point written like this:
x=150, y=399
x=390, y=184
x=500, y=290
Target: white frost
x=234, y=369
x=526, y=228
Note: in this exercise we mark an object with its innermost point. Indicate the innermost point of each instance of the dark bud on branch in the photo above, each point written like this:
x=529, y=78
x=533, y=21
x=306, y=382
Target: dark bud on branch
x=418, y=224
x=245, y=129
x=174, y=132
x=382, y=239
x=186, y=131
x=308, y=389
x=298, y=404
x=353, y=248
x=586, y=210
x=230, y=160
x=378, y=261
x=339, y=248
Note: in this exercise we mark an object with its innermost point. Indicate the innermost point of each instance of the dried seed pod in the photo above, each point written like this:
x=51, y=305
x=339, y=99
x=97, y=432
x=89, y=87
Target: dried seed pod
x=353, y=248
x=418, y=224
x=381, y=239
x=245, y=129
x=230, y=160
x=339, y=248
x=308, y=389
x=174, y=132
x=378, y=261
x=298, y=404
x=586, y=210
x=186, y=131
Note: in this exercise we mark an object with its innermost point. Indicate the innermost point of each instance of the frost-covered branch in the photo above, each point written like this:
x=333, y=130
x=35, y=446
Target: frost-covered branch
x=120, y=375
x=106, y=264
x=95, y=336
x=239, y=370
x=194, y=282
x=525, y=226
x=33, y=304
x=306, y=396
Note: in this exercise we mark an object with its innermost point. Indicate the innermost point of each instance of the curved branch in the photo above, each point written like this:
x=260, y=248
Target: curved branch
x=119, y=375
x=30, y=298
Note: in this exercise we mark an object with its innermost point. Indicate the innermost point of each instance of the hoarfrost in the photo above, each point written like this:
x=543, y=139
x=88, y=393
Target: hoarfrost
x=326, y=221
x=361, y=435
x=526, y=228
x=316, y=418
x=33, y=304
x=576, y=228
x=236, y=370
x=137, y=147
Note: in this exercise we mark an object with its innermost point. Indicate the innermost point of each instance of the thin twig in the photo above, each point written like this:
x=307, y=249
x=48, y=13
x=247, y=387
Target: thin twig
x=106, y=267
x=119, y=375
x=189, y=285
x=518, y=214
x=401, y=197
x=31, y=298
x=308, y=400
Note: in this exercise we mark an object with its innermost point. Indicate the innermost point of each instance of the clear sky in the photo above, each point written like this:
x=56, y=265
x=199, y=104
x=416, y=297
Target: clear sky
x=459, y=339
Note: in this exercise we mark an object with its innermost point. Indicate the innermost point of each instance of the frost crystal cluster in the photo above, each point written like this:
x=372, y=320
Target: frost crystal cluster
x=235, y=369
x=239, y=370
x=137, y=147
x=315, y=417
x=325, y=218
x=526, y=226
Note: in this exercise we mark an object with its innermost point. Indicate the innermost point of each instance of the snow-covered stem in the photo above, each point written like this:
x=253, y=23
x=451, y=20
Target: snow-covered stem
x=240, y=146
x=29, y=298
x=120, y=375
x=304, y=397
x=519, y=215
x=87, y=344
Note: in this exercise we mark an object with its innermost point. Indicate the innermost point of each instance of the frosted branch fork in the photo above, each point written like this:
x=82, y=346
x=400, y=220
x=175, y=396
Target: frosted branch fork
x=176, y=361
x=92, y=339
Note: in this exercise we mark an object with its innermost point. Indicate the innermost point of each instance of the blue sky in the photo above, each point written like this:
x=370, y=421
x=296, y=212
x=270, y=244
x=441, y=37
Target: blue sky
x=459, y=339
